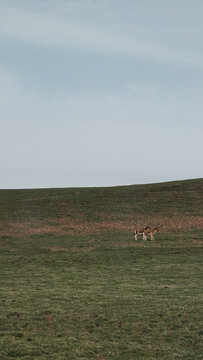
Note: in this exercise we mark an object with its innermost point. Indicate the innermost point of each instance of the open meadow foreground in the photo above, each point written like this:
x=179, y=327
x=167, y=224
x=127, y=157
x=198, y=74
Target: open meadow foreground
x=75, y=284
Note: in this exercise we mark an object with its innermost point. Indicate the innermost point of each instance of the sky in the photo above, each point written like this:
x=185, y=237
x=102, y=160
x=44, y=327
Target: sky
x=100, y=93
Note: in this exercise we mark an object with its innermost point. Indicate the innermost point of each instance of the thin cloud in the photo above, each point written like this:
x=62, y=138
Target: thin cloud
x=45, y=30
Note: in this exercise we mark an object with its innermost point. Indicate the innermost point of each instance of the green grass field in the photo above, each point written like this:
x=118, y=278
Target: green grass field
x=75, y=284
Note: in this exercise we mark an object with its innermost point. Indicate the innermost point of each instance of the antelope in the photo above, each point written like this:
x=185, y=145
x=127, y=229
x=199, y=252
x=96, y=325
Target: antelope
x=141, y=231
x=149, y=231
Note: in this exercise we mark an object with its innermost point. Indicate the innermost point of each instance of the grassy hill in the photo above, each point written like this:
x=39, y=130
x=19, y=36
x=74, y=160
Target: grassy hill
x=75, y=285
x=172, y=205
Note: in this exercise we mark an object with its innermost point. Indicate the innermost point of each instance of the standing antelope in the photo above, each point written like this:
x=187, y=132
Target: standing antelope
x=141, y=231
x=150, y=231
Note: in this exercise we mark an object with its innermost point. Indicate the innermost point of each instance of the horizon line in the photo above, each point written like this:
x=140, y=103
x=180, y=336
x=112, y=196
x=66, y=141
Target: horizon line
x=97, y=187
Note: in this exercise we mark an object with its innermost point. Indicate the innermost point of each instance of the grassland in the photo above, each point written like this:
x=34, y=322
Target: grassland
x=75, y=284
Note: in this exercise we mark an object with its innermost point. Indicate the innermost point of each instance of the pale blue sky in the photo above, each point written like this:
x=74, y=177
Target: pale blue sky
x=100, y=93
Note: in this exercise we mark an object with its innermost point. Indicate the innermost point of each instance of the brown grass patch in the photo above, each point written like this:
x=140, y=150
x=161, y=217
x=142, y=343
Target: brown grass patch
x=55, y=248
x=69, y=226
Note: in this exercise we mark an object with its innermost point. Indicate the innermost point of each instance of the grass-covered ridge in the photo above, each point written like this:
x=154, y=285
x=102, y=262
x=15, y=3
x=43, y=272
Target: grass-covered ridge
x=75, y=285
x=173, y=205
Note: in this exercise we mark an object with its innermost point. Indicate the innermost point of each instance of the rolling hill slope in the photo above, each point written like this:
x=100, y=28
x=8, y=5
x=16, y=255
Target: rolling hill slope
x=76, y=285
x=172, y=205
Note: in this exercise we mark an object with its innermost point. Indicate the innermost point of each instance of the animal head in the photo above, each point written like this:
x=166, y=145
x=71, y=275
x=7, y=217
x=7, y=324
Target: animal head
x=156, y=229
x=147, y=228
